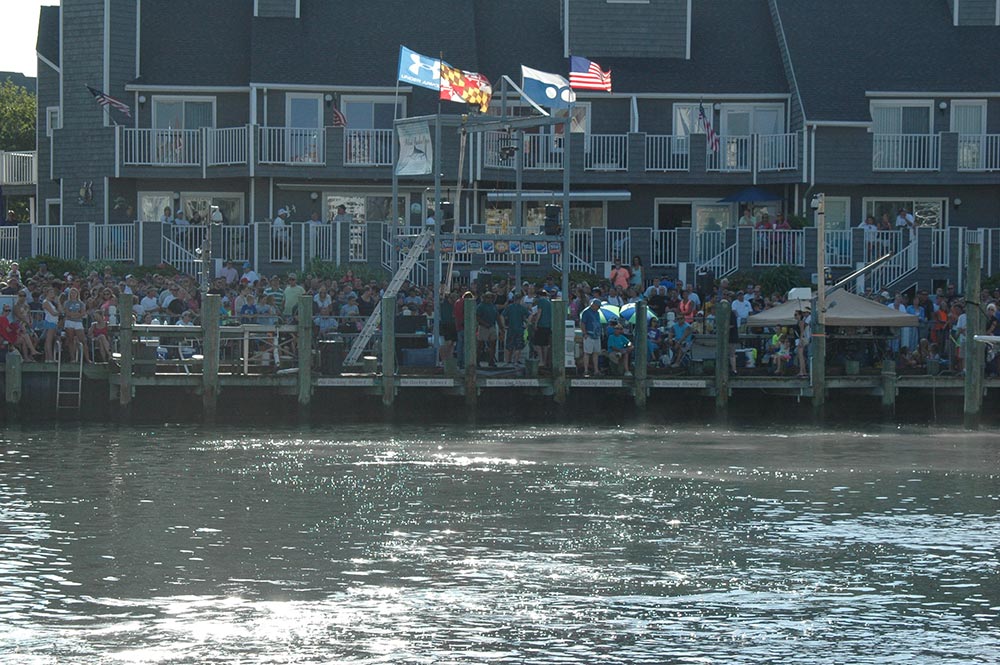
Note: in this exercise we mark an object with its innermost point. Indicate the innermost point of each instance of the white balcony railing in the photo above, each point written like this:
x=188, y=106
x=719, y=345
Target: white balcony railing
x=708, y=244
x=777, y=152
x=494, y=153
x=668, y=153
x=358, y=243
x=18, y=168
x=542, y=151
x=226, y=146
x=9, y=243
x=292, y=146
x=235, y=244
x=112, y=242
x=880, y=243
x=906, y=152
x=979, y=152
x=161, y=147
x=777, y=247
x=57, y=241
x=664, y=248
x=839, y=251
x=606, y=152
x=617, y=245
x=581, y=250
x=322, y=242
x=733, y=155
x=367, y=147
x=940, y=248
x=279, y=242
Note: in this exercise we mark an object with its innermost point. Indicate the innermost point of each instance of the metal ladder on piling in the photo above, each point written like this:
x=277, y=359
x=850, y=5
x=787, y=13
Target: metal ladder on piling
x=371, y=325
x=69, y=384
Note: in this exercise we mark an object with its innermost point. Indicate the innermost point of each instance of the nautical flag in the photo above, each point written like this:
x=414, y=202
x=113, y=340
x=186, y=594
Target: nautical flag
x=710, y=136
x=419, y=69
x=339, y=119
x=587, y=75
x=467, y=87
x=106, y=101
x=546, y=89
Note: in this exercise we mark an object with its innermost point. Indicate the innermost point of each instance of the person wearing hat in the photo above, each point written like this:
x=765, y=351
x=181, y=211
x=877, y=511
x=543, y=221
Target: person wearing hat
x=249, y=274
x=279, y=233
x=620, y=348
x=590, y=324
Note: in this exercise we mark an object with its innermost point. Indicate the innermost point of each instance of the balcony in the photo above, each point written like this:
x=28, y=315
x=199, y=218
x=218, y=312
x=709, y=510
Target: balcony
x=292, y=146
x=979, y=152
x=906, y=152
x=18, y=168
x=668, y=153
x=606, y=152
x=367, y=147
x=161, y=147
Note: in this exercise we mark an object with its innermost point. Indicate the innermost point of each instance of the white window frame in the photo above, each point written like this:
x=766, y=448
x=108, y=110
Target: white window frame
x=752, y=107
x=375, y=99
x=910, y=199
x=981, y=103
x=185, y=196
x=138, y=202
x=48, y=207
x=903, y=103
x=693, y=202
x=185, y=98
x=314, y=96
x=849, y=221
x=697, y=127
x=53, y=120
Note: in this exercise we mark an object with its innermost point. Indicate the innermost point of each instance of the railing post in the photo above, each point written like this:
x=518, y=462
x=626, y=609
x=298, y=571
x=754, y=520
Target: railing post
x=388, y=350
x=305, y=325
x=469, y=351
x=559, y=349
x=971, y=352
x=12, y=381
x=125, y=346
x=722, y=314
x=641, y=360
x=210, y=351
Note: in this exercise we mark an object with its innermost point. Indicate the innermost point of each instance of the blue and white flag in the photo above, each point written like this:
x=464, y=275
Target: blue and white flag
x=546, y=89
x=419, y=69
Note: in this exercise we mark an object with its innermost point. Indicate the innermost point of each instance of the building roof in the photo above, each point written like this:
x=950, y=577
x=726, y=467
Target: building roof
x=29, y=83
x=47, y=43
x=718, y=64
x=194, y=42
x=357, y=43
x=854, y=46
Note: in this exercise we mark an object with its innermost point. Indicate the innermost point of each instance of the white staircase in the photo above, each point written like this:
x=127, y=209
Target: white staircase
x=371, y=325
x=69, y=380
x=724, y=263
x=902, y=264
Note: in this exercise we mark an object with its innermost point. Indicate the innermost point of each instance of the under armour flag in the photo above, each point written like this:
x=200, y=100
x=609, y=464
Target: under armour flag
x=419, y=69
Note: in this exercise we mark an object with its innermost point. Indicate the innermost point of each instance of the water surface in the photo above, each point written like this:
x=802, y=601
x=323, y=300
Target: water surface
x=379, y=544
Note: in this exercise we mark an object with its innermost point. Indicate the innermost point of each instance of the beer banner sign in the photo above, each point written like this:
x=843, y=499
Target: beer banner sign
x=541, y=247
x=447, y=246
x=555, y=247
x=488, y=247
x=528, y=248
x=475, y=247
x=502, y=246
x=515, y=247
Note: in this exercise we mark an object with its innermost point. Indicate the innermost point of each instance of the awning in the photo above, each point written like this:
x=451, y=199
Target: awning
x=842, y=309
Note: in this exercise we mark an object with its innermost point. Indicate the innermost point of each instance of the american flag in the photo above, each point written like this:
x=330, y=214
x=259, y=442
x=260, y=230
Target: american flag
x=587, y=75
x=106, y=101
x=339, y=119
x=710, y=136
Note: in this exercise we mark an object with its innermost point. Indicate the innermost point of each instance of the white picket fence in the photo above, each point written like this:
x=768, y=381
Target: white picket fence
x=112, y=242
x=57, y=241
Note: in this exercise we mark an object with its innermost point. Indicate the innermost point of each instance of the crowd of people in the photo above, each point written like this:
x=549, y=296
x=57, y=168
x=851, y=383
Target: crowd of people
x=46, y=314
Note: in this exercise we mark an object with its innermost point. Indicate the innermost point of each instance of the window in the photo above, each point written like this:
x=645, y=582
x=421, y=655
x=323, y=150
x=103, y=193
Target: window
x=968, y=120
x=183, y=112
x=152, y=204
x=927, y=212
x=686, y=119
x=708, y=215
x=371, y=112
x=747, y=119
x=53, y=120
x=364, y=207
x=904, y=117
x=198, y=206
x=838, y=213
x=304, y=111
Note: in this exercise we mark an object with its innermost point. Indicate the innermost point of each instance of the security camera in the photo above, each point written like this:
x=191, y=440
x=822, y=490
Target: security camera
x=817, y=202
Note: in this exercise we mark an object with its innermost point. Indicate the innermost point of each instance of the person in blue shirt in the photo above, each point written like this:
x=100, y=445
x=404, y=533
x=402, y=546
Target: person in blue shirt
x=620, y=348
x=590, y=323
x=515, y=316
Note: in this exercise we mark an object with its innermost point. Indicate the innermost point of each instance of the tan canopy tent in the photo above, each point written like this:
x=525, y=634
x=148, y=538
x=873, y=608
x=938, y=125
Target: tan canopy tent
x=842, y=309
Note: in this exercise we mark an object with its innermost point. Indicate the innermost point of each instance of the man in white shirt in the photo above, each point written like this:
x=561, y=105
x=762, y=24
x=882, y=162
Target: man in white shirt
x=249, y=274
x=181, y=220
x=906, y=223
x=279, y=231
x=741, y=308
x=149, y=304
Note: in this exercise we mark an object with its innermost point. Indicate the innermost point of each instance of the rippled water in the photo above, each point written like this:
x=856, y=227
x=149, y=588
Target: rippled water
x=509, y=545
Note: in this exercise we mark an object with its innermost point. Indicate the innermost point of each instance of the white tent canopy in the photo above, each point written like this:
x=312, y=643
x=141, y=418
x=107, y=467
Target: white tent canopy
x=842, y=309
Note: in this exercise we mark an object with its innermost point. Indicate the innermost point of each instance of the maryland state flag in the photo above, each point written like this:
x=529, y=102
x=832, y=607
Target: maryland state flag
x=467, y=87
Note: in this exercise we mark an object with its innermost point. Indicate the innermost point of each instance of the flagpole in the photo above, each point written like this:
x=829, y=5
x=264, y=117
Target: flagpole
x=438, y=217
x=567, y=140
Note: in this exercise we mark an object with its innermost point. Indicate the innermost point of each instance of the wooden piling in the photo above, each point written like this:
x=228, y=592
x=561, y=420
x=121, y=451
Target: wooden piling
x=388, y=350
x=722, y=313
x=470, y=353
x=559, y=350
x=818, y=349
x=210, y=350
x=305, y=334
x=126, y=340
x=972, y=351
x=12, y=378
x=641, y=359
x=889, y=387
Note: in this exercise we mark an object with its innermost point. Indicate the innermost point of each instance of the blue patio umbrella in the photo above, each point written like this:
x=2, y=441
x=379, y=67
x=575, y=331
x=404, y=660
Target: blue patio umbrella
x=608, y=313
x=752, y=195
x=627, y=313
